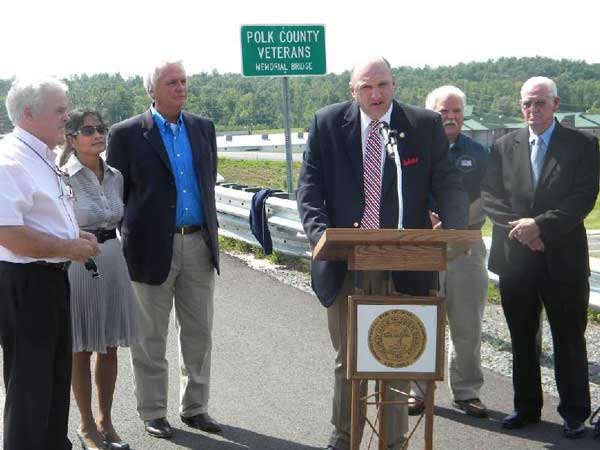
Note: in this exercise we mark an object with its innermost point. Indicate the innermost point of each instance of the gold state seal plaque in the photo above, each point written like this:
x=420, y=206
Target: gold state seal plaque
x=397, y=338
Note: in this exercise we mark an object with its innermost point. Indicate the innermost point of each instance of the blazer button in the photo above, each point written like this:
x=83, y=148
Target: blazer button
x=356, y=224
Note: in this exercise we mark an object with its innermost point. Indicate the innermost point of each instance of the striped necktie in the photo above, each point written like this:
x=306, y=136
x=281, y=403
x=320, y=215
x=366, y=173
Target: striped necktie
x=372, y=178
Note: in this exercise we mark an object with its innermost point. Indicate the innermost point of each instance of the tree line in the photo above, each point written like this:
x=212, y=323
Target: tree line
x=237, y=103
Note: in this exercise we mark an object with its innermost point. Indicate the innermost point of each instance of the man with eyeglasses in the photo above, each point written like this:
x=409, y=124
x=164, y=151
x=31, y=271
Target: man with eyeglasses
x=541, y=183
x=168, y=158
x=39, y=237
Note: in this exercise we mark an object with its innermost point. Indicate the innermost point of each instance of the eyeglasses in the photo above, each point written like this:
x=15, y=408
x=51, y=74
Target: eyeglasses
x=540, y=103
x=89, y=130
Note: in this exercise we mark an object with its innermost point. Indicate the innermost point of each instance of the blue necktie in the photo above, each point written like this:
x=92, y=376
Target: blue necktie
x=538, y=151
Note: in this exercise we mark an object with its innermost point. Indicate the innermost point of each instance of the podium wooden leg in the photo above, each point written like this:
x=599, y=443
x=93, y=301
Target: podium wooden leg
x=429, y=399
x=382, y=394
x=355, y=416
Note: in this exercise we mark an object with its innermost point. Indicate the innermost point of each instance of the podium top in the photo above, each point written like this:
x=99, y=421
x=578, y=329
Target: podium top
x=336, y=243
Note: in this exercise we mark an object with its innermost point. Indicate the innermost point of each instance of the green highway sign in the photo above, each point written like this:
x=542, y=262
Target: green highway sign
x=283, y=50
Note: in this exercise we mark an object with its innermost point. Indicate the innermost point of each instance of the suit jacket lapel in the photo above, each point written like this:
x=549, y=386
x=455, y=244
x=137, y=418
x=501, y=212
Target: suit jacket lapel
x=522, y=162
x=198, y=145
x=352, y=135
x=152, y=135
x=554, y=148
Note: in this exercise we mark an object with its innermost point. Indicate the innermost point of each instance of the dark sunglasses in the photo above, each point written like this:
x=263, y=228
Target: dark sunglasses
x=89, y=130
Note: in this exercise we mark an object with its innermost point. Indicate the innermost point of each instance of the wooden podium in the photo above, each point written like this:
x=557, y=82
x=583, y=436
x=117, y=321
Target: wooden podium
x=392, y=250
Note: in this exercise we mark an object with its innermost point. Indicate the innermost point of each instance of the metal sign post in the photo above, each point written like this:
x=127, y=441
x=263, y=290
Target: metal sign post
x=288, y=138
x=283, y=51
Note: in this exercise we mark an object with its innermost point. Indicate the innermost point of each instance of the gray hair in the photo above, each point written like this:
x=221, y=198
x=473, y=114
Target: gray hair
x=29, y=93
x=537, y=81
x=151, y=77
x=442, y=93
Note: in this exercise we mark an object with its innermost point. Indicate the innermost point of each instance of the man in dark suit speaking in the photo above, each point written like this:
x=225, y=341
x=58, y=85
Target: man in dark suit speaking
x=168, y=159
x=347, y=181
x=541, y=183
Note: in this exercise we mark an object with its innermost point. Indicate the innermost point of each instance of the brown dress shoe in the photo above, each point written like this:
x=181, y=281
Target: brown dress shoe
x=472, y=407
x=203, y=422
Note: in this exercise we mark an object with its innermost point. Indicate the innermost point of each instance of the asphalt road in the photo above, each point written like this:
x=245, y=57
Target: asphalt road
x=272, y=383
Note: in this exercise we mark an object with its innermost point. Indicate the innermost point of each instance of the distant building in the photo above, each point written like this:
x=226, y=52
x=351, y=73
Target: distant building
x=272, y=142
x=485, y=128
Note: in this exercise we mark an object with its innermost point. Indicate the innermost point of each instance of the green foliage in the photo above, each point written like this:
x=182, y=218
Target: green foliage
x=493, y=294
x=296, y=263
x=592, y=221
x=259, y=173
x=235, y=102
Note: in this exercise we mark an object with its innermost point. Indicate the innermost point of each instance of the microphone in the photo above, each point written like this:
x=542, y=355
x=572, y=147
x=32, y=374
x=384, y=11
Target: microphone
x=390, y=137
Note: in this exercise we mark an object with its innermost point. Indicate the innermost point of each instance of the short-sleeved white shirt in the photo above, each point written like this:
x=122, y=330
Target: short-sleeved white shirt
x=32, y=193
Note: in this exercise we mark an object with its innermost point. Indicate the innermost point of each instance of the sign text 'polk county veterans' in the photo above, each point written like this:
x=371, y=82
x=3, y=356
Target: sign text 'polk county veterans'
x=283, y=50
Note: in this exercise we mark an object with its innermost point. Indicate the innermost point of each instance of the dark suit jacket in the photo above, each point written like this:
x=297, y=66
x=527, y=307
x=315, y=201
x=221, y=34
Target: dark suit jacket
x=135, y=147
x=565, y=194
x=330, y=187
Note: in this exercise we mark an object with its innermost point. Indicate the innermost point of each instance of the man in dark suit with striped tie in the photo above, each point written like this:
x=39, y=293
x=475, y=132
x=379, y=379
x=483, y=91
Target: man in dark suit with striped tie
x=346, y=181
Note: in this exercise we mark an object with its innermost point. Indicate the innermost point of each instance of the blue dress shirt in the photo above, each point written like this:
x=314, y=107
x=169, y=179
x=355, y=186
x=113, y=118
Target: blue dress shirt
x=177, y=144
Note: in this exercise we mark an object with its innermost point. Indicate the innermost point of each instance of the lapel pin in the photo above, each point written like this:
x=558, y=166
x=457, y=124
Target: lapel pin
x=402, y=135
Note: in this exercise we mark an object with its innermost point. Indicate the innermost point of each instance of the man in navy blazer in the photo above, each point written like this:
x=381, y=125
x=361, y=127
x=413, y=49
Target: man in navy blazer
x=168, y=159
x=331, y=194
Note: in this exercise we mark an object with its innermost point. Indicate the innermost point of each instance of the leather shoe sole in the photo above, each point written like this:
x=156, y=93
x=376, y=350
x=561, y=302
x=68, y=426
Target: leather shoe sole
x=517, y=420
x=472, y=407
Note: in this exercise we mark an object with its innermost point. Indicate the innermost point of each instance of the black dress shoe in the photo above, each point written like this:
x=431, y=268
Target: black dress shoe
x=416, y=406
x=519, y=420
x=159, y=428
x=203, y=422
x=574, y=430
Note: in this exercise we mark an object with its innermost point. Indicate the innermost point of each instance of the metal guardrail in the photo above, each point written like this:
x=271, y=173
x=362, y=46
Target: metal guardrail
x=287, y=234
x=233, y=212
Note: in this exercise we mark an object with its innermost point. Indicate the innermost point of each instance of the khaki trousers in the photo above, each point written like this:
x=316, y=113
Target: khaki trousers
x=465, y=286
x=397, y=417
x=189, y=287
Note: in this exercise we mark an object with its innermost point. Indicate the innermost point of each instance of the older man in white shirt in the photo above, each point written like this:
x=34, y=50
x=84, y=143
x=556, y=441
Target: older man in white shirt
x=38, y=239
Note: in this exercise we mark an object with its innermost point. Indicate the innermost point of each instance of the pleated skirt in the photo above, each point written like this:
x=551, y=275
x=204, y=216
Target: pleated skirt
x=102, y=309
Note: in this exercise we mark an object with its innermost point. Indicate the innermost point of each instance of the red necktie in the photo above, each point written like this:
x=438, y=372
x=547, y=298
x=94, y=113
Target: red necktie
x=372, y=178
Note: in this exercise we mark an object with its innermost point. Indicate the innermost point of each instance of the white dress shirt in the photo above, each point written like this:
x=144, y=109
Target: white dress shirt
x=32, y=193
